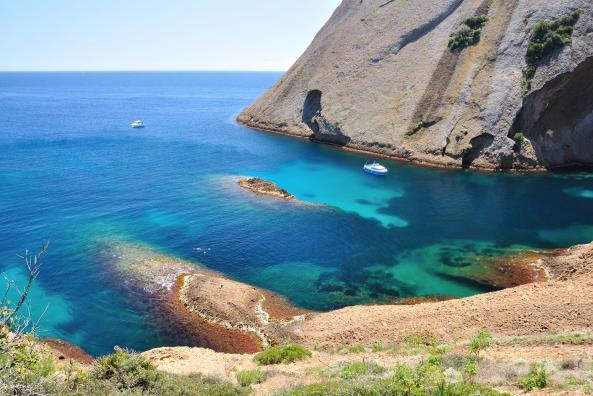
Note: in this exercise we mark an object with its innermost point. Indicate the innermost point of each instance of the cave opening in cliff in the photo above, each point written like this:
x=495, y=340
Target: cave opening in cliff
x=312, y=109
x=324, y=130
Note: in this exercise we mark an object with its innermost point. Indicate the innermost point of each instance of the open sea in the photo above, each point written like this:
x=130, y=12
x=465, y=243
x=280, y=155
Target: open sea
x=74, y=172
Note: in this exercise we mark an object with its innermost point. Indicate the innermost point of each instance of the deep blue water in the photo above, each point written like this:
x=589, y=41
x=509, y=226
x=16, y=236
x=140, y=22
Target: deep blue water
x=74, y=172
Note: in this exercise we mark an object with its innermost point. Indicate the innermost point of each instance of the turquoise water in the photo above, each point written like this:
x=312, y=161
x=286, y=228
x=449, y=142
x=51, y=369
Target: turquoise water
x=72, y=171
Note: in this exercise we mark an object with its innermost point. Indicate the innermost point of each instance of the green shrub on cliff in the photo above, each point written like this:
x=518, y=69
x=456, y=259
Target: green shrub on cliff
x=282, y=354
x=469, y=34
x=547, y=36
x=519, y=138
x=125, y=370
x=25, y=366
x=128, y=373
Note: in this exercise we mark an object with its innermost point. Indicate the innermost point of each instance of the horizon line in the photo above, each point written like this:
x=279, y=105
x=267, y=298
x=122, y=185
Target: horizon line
x=144, y=71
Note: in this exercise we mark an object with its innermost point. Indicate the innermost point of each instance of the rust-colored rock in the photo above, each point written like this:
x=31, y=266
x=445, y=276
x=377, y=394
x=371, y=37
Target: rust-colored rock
x=63, y=350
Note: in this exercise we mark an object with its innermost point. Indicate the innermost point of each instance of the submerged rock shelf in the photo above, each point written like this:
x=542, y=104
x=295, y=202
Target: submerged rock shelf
x=202, y=307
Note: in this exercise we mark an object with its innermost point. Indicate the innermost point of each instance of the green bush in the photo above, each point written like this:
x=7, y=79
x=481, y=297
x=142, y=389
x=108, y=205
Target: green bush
x=536, y=378
x=25, y=365
x=519, y=138
x=250, y=377
x=125, y=370
x=163, y=385
x=470, y=372
x=282, y=354
x=476, y=22
x=469, y=34
x=547, y=36
x=480, y=342
x=358, y=369
x=421, y=339
x=127, y=373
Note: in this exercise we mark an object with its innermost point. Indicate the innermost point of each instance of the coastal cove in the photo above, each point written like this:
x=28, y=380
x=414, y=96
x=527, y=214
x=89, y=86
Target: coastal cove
x=74, y=172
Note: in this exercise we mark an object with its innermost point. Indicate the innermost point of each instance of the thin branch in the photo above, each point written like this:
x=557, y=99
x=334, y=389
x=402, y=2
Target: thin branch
x=33, y=264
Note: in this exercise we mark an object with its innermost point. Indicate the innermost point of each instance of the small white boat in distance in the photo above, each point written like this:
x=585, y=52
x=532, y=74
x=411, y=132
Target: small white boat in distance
x=137, y=124
x=375, y=168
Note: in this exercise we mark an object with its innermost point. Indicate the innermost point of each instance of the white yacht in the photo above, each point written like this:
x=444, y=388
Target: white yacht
x=137, y=124
x=375, y=168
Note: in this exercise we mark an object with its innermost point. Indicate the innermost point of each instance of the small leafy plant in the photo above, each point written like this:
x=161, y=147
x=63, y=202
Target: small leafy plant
x=536, y=378
x=519, y=138
x=282, y=354
x=470, y=372
x=250, y=377
x=480, y=342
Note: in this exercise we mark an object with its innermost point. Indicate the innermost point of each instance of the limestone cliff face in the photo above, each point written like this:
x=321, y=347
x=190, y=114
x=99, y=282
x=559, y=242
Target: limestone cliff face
x=379, y=77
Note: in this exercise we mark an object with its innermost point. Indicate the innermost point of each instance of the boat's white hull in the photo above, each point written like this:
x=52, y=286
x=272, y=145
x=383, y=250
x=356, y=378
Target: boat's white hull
x=375, y=172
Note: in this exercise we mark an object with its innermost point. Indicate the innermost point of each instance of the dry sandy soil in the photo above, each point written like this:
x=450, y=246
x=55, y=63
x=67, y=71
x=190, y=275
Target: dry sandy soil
x=499, y=363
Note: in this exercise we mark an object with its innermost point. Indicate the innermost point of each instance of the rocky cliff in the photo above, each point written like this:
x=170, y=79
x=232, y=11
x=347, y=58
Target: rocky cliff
x=382, y=77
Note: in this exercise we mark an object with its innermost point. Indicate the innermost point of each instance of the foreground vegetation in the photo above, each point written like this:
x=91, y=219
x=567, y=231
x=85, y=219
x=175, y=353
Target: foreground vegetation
x=28, y=369
x=425, y=366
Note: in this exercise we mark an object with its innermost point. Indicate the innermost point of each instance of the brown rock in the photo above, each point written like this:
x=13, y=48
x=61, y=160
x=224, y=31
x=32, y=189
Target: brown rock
x=264, y=187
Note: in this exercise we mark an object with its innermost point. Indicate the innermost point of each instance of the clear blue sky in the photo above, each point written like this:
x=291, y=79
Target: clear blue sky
x=157, y=34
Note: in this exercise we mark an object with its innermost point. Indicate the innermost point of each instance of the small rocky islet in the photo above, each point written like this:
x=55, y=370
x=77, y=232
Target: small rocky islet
x=264, y=187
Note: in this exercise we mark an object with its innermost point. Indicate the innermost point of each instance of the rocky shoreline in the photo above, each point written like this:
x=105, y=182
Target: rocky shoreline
x=559, y=304
x=264, y=187
x=206, y=309
x=237, y=307
x=63, y=351
x=199, y=306
x=423, y=161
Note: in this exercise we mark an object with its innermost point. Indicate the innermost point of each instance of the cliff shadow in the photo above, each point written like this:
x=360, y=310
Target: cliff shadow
x=558, y=119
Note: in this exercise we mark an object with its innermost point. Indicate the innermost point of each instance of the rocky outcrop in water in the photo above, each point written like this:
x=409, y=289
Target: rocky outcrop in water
x=264, y=187
x=196, y=306
x=380, y=77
